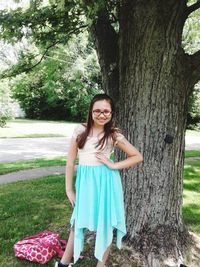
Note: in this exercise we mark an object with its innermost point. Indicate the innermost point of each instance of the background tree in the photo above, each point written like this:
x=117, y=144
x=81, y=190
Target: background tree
x=5, y=103
x=193, y=116
x=61, y=86
x=191, y=44
x=146, y=70
x=8, y=56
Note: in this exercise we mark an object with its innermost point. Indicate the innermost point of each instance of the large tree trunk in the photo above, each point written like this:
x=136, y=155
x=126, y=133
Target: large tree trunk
x=154, y=87
x=153, y=93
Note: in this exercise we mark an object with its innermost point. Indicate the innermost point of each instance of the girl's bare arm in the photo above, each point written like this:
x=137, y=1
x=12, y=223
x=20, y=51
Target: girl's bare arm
x=72, y=153
x=134, y=157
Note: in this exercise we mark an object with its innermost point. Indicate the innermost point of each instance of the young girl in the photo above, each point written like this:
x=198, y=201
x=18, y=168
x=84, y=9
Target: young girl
x=98, y=202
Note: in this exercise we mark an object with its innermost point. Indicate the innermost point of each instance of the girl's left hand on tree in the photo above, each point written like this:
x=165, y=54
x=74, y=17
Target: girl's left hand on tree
x=103, y=159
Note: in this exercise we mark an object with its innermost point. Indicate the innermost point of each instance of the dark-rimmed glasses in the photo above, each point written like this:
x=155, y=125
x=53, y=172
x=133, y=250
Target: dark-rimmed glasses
x=105, y=112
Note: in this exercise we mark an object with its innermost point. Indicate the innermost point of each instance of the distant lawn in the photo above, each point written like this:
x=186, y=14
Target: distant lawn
x=31, y=164
x=36, y=135
x=22, y=128
x=193, y=132
x=192, y=153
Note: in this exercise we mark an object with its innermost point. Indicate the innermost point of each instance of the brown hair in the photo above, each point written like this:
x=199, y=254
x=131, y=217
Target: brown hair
x=109, y=130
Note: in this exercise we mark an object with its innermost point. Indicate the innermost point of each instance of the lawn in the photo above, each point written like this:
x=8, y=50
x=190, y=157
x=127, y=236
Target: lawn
x=21, y=128
x=191, y=195
x=193, y=132
x=192, y=153
x=31, y=164
x=29, y=207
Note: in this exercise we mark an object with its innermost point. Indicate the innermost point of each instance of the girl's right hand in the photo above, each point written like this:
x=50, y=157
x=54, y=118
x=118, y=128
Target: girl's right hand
x=72, y=197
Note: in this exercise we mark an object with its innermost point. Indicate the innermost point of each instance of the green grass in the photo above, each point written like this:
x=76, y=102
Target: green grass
x=30, y=164
x=35, y=135
x=191, y=195
x=29, y=207
x=193, y=132
x=22, y=128
x=192, y=153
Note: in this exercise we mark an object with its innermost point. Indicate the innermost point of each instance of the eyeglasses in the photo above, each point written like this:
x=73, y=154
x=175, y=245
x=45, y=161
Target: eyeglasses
x=105, y=112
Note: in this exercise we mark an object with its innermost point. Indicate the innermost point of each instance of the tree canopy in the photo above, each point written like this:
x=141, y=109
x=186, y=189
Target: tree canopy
x=61, y=86
x=49, y=23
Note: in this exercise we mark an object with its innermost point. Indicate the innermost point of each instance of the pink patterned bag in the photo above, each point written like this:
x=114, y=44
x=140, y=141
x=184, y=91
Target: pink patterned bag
x=40, y=248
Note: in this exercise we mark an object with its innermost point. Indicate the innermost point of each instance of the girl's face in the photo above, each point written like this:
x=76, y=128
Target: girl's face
x=101, y=112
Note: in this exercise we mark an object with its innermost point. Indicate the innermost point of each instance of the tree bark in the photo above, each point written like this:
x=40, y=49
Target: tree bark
x=155, y=79
x=193, y=7
x=153, y=93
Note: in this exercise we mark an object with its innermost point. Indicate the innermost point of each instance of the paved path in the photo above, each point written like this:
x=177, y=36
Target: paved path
x=17, y=149
x=192, y=142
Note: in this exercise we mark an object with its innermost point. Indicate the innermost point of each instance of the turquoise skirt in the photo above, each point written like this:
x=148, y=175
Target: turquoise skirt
x=99, y=207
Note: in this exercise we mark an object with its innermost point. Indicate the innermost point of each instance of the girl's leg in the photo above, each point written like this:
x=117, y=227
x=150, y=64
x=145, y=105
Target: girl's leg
x=105, y=257
x=69, y=251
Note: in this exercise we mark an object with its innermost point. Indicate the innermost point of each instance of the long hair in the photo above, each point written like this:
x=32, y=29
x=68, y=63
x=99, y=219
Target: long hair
x=109, y=130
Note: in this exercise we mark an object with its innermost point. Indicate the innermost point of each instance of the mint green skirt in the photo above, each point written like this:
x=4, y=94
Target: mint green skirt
x=99, y=207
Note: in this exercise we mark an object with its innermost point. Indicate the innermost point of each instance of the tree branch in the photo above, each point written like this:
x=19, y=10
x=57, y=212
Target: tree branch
x=45, y=52
x=195, y=67
x=193, y=7
x=26, y=69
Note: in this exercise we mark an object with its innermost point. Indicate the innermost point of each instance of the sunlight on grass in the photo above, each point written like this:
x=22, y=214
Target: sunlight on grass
x=29, y=207
x=192, y=153
x=192, y=133
x=30, y=164
x=36, y=128
x=191, y=195
x=42, y=128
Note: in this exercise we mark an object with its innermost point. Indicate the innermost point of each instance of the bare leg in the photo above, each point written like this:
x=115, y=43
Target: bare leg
x=105, y=257
x=69, y=251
